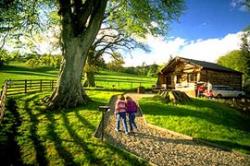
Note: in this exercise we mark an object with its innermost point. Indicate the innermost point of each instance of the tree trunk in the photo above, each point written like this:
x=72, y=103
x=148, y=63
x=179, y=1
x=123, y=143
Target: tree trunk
x=76, y=41
x=89, y=80
x=69, y=91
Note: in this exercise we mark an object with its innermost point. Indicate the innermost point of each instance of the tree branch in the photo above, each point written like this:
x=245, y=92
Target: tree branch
x=4, y=40
x=65, y=12
x=82, y=15
x=95, y=22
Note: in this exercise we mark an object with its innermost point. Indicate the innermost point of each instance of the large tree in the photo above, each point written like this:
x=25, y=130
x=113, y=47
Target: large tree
x=245, y=49
x=239, y=59
x=108, y=41
x=80, y=23
x=234, y=61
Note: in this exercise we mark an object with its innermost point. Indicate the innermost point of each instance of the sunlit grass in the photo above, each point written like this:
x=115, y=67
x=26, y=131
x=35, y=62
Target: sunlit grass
x=65, y=137
x=105, y=79
x=201, y=118
x=20, y=71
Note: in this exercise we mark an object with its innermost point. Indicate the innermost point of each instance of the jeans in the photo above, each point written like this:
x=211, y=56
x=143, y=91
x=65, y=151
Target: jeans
x=132, y=121
x=119, y=116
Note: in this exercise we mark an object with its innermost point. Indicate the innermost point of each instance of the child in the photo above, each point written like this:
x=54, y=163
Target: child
x=120, y=113
x=131, y=110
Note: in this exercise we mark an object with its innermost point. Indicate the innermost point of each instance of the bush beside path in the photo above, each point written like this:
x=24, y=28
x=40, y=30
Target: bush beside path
x=162, y=147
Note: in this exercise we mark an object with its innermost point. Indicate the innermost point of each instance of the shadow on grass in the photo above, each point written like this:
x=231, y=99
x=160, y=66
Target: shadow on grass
x=231, y=145
x=53, y=136
x=24, y=68
x=16, y=155
x=41, y=71
x=31, y=73
x=88, y=146
x=210, y=111
x=84, y=121
x=9, y=148
x=79, y=141
x=40, y=149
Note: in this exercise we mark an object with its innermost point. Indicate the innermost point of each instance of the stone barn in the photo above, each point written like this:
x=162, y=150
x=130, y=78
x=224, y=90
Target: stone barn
x=184, y=74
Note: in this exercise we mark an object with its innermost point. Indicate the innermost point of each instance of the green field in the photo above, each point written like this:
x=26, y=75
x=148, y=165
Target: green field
x=201, y=118
x=42, y=137
x=105, y=79
x=20, y=71
x=59, y=138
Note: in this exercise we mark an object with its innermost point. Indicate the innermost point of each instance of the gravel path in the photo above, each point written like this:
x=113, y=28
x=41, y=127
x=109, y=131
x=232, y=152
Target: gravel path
x=162, y=147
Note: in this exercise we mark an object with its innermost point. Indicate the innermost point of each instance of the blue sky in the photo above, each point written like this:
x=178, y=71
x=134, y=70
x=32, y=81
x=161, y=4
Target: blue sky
x=205, y=19
x=205, y=31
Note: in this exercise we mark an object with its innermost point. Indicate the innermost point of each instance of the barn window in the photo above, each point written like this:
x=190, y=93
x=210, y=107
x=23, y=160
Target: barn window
x=192, y=77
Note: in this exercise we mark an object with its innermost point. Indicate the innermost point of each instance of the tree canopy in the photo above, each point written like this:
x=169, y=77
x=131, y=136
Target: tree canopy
x=134, y=17
x=239, y=59
x=80, y=21
x=233, y=60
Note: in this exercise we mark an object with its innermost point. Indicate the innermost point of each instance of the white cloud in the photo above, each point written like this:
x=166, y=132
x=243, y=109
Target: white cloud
x=205, y=50
x=239, y=4
x=160, y=51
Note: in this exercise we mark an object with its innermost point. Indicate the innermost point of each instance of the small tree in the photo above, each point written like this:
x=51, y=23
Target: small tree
x=152, y=70
x=116, y=63
x=6, y=56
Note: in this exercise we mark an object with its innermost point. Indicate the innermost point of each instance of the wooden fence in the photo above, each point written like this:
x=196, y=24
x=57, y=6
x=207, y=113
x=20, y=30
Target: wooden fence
x=3, y=100
x=14, y=87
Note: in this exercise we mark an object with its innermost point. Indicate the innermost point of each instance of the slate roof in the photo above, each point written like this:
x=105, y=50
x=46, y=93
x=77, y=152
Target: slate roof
x=209, y=65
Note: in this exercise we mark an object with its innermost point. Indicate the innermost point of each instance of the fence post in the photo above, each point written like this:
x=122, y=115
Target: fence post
x=104, y=109
x=41, y=85
x=25, y=86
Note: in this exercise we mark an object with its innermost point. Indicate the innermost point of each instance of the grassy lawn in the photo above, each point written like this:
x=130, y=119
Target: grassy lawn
x=63, y=138
x=106, y=79
x=126, y=81
x=201, y=118
x=20, y=71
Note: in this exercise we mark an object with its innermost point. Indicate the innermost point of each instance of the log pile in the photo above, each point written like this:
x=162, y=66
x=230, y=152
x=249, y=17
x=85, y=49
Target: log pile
x=175, y=96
